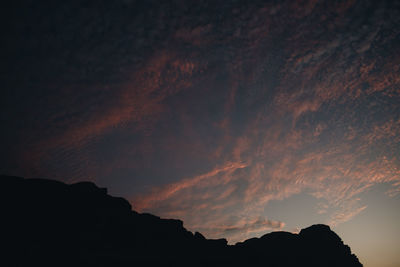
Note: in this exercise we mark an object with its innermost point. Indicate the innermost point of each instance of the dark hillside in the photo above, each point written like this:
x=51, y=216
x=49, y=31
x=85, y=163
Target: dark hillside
x=49, y=223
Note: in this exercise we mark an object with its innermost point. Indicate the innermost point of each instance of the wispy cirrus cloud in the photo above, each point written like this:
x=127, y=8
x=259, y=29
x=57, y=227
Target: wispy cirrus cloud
x=209, y=113
x=308, y=140
x=224, y=174
x=244, y=228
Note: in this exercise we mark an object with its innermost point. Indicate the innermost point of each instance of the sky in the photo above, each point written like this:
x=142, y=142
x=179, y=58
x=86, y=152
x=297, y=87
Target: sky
x=237, y=117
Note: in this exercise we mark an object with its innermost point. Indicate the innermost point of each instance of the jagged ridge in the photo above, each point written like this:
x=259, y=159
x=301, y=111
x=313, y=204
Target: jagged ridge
x=51, y=223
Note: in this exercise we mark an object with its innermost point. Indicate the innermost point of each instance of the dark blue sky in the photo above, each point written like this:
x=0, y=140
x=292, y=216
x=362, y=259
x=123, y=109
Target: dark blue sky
x=238, y=117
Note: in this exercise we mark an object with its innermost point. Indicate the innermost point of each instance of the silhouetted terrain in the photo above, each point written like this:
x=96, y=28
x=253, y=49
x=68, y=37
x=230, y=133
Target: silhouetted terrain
x=49, y=223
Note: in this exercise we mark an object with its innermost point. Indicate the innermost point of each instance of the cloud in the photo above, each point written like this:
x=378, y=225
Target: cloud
x=260, y=224
x=209, y=120
x=203, y=180
x=136, y=105
x=304, y=133
x=244, y=228
x=345, y=215
x=337, y=173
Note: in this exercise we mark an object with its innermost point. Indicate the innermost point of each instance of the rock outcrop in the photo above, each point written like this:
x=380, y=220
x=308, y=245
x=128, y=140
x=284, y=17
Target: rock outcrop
x=49, y=223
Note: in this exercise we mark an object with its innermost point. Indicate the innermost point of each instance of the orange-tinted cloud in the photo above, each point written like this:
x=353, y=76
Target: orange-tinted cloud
x=136, y=105
x=204, y=180
x=244, y=228
x=261, y=106
x=305, y=138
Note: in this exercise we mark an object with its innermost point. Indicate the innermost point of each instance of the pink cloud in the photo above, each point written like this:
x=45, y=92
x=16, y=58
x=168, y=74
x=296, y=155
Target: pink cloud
x=203, y=180
x=272, y=158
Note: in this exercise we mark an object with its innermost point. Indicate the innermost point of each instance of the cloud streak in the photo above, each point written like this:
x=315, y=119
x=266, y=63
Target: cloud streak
x=209, y=113
x=308, y=140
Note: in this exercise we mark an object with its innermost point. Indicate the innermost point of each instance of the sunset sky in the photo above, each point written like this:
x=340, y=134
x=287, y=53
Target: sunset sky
x=237, y=117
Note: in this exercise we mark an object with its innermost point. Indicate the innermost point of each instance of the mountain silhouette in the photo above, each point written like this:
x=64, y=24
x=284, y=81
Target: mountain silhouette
x=50, y=223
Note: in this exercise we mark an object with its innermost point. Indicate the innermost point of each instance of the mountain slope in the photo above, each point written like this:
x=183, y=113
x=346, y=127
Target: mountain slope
x=49, y=223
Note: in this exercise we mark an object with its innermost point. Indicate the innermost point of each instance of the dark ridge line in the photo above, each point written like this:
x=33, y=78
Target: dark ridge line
x=50, y=223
